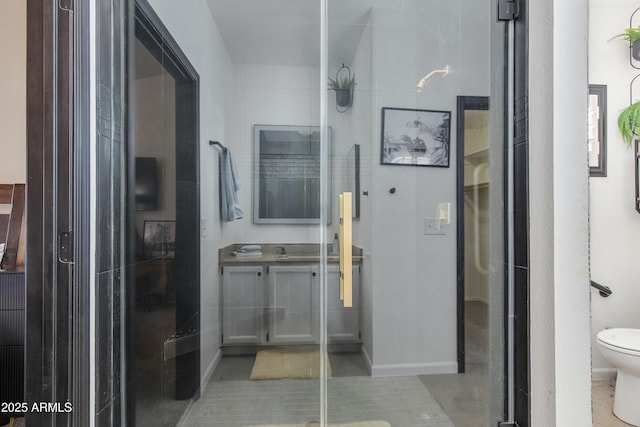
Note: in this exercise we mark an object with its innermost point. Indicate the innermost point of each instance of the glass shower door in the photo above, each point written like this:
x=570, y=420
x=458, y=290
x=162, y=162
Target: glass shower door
x=424, y=224
x=259, y=68
x=351, y=222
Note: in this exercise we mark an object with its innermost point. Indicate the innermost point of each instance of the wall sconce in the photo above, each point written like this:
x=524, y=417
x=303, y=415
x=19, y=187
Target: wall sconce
x=423, y=81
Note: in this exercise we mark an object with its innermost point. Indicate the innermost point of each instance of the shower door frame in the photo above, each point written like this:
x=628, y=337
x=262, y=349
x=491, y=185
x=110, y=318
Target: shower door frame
x=147, y=27
x=58, y=334
x=465, y=103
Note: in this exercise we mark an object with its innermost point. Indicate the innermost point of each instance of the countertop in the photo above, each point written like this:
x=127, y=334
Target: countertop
x=295, y=253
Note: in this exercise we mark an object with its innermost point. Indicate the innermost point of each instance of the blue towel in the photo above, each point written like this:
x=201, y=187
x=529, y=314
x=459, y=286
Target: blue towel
x=229, y=186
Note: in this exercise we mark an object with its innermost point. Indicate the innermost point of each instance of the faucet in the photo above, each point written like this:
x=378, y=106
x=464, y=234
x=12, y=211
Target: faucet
x=282, y=250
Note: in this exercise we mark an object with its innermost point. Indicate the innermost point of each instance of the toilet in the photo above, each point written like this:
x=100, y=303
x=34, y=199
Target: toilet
x=621, y=347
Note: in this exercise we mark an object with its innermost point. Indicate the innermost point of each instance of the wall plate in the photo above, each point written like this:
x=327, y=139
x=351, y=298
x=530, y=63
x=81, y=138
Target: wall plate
x=433, y=226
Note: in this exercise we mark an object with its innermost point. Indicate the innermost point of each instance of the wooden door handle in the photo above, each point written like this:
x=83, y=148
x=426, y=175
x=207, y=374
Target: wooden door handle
x=346, y=241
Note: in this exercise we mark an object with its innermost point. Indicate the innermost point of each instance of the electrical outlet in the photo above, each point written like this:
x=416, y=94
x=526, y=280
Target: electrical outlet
x=203, y=227
x=432, y=226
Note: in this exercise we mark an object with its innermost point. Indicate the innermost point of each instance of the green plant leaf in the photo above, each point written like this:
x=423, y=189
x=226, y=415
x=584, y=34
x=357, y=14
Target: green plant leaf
x=343, y=83
x=629, y=123
x=630, y=34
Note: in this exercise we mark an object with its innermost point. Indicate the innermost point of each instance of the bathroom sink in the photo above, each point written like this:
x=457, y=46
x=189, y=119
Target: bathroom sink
x=297, y=257
x=301, y=253
x=304, y=257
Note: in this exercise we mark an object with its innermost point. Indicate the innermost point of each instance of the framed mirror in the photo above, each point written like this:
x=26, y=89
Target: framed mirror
x=353, y=178
x=286, y=187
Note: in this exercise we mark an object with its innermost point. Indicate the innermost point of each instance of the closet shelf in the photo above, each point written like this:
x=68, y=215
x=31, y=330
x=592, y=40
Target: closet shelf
x=478, y=156
x=479, y=186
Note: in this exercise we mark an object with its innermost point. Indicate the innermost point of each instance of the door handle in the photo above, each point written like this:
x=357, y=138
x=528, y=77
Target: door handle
x=346, y=272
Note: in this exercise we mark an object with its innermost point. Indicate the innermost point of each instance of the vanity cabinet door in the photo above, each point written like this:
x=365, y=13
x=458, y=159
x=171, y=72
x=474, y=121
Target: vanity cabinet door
x=343, y=324
x=242, y=305
x=293, y=307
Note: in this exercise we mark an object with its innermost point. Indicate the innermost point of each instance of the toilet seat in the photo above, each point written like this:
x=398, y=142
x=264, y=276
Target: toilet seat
x=622, y=340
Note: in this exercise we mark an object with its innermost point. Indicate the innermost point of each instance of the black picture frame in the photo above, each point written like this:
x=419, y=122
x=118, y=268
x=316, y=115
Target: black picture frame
x=159, y=239
x=597, y=130
x=353, y=178
x=412, y=137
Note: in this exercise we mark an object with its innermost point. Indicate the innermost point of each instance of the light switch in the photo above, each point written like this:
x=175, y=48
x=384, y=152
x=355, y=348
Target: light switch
x=444, y=213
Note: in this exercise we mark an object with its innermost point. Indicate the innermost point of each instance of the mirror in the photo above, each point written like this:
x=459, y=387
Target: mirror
x=353, y=178
x=286, y=187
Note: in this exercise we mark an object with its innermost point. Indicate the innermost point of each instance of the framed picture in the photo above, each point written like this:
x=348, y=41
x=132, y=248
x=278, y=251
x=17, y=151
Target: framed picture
x=159, y=239
x=597, y=130
x=415, y=137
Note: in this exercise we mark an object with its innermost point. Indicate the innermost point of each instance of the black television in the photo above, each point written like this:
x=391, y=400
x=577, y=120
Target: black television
x=146, y=184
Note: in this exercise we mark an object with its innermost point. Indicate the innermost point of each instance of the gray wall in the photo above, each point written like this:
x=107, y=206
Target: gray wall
x=410, y=279
x=13, y=86
x=414, y=275
x=559, y=304
x=362, y=118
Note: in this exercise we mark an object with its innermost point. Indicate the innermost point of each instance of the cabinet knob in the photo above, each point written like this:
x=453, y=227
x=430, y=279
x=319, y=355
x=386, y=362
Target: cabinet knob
x=259, y=273
x=313, y=274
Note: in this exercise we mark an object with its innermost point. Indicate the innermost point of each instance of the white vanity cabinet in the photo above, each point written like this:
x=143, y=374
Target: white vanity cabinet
x=280, y=304
x=343, y=323
x=293, y=315
x=242, y=304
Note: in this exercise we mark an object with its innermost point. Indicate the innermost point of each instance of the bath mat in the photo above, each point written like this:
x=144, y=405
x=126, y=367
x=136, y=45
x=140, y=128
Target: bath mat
x=353, y=424
x=273, y=364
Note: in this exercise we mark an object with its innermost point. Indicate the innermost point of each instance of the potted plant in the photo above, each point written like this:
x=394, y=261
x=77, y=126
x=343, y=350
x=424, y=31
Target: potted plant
x=629, y=123
x=344, y=89
x=632, y=35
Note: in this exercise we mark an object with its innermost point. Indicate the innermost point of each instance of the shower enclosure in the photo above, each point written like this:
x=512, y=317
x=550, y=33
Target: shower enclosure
x=379, y=293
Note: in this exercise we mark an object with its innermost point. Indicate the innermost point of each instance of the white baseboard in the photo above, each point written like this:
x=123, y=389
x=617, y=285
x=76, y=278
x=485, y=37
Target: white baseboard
x=408, y=369
x=476, y=299
x=367, y=360
x=603, y=374
x=206, y=376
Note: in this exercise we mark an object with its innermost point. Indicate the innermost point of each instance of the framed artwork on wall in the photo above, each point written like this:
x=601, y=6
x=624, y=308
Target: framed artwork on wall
x=412, y=137
x=159, y=239
x=597, y=130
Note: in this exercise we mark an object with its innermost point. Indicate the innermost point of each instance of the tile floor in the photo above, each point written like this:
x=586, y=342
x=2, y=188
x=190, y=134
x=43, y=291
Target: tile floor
x=602, y=403
x=434, y=400
x=400, y=401
x=603, y=392
x=465, y=397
